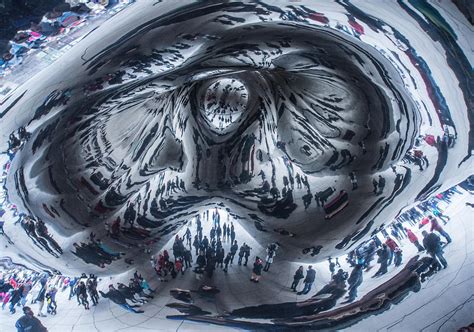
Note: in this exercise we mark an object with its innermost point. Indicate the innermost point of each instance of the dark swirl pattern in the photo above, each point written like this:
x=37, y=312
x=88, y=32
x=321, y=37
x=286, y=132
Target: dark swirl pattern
x=268, y=112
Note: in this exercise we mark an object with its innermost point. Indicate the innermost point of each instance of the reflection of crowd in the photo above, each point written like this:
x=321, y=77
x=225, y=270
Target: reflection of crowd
x=53, y=25
x=38, y=232
x=389, y=251
x=219, y=104
x=137, y=292
x=210, y=252
x=20, y=287
x=27, y=286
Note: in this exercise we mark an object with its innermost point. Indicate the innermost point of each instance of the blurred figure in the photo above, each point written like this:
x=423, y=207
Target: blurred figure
x=432, y=244
x=308, y=281
x=414, y=239
x=435, y=226
x=29, y=323
x=383, y=254
x=355, y=280
x=299, y=274
x=257, y=270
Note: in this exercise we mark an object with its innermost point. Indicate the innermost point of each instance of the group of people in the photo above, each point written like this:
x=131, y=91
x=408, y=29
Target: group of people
x=20, y=287
x=308, y=280
x=210, y=252
x=54, y=24
x=389, y=251
x=138, y=292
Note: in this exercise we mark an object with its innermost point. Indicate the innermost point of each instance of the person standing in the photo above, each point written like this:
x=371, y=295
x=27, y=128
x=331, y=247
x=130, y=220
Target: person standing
x=40, y=298
x=27, y=288
x=414, y=239
x=232, y=234
x=51, y=299
x=72, y=283
x=375, y=184
x=218, y=232
x=227, y=261
x=196, y=244
x=247, y=254
x=220, y=257
x=212, y=233
x=354, y=281
x=241, y=254
x=435, y=226
x=205, y=242
x=188, y=237
x=179, y=266
x=233, y=251
x=392, y=246
x=432, y=244
x=271, y=250
x=257, y=270
x=381, y=184
x=299, y=274
x=29, y=323
x=188, y=258
x=201, y=262
x=92, y=289
x=82, y=293
x=224, y=231
x=211, y=265
x=353, y=177
x=308, y=281
x=228, y=232
x=332, y=266
x=15, y=298
x=383, y=254
x=398, y=253
x=437, y=213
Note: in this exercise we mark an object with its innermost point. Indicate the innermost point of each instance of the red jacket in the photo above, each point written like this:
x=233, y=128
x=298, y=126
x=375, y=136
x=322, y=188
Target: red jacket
x=178, y=265
x=411, y=236
x=435, y=225
x=391, y=244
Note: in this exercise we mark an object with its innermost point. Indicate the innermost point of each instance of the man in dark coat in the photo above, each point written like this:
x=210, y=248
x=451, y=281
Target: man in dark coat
x=201, y=262
x=247, y=254
x=16, y=297
x=355, y=280
x=241, y=253
x=381, y=184
x=227, y=261
x=432, y=244
x=299, y=274
x=383, y=254
x=196, y=244
x=233, y=251
x=309, y=280
x=29, y=323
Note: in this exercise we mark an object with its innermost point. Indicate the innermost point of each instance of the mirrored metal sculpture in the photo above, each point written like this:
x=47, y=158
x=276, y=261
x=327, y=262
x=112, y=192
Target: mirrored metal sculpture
x=316, y=128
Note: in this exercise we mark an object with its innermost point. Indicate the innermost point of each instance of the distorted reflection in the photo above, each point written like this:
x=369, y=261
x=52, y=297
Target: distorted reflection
x=229, y=153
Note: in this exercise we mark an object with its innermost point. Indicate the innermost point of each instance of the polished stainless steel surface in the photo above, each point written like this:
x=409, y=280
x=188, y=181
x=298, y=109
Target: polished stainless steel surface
x=311, y=125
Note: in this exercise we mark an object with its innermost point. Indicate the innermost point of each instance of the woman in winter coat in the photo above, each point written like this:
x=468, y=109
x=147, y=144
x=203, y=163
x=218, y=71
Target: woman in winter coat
x=414, y=239
x=257, y=270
